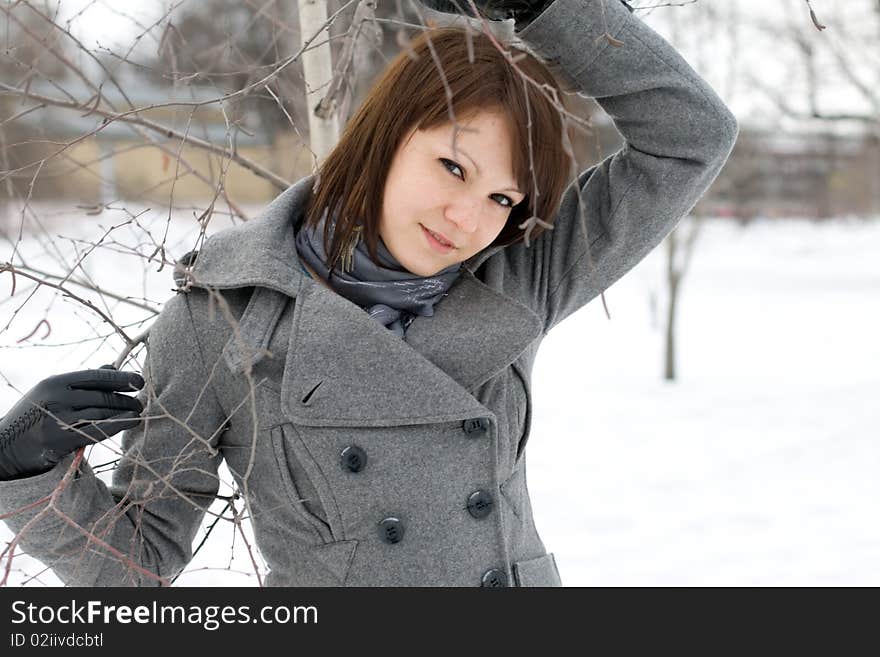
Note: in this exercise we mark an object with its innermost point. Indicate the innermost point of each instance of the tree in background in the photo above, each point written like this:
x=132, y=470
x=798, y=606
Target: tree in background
x=710, y=32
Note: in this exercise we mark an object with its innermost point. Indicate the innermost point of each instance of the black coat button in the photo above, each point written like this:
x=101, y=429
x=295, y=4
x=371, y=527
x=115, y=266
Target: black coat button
x=391, y=530
x=353, y=458
x=494, y=578
x=476, y=426
x=479, y=504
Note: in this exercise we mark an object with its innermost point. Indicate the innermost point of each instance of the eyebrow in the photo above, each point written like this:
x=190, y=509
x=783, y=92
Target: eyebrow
x=506, y=189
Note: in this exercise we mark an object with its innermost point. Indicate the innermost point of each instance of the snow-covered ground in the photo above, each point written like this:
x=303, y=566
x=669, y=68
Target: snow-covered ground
x=759, y=466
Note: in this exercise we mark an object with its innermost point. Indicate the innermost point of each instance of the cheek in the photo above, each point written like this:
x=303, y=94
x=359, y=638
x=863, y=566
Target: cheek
x=486, y=233
x=419, y=203
x=414, y=193
x=497, y=226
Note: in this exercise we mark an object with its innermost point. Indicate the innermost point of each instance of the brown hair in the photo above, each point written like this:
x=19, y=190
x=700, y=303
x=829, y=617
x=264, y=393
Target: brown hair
x=411, y=93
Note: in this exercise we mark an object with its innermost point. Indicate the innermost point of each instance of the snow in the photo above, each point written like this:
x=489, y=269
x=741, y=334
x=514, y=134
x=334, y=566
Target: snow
x=758, y=466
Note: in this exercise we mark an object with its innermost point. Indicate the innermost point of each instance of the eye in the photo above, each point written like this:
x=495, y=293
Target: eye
x=507, y=202
x=450, y=165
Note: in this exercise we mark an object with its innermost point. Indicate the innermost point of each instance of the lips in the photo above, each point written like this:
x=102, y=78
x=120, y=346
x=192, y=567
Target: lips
x=440, y=238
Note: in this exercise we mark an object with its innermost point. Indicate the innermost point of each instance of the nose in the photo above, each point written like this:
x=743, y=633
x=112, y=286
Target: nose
x=463, y=213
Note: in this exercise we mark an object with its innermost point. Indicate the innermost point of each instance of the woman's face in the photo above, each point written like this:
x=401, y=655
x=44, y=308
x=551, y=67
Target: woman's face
x=465, y=194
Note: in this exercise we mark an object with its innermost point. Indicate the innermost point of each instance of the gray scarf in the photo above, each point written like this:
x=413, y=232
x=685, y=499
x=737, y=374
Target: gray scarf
x=388, y=292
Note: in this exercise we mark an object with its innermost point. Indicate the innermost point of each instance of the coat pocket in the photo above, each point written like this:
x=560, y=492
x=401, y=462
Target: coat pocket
x=299, y=484
x=540, y=571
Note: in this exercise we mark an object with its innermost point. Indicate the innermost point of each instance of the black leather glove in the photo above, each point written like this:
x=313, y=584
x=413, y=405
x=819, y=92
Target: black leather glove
x=32, y=441
x=522, y=11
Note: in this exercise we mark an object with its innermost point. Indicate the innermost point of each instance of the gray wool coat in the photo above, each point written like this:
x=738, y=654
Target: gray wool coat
x=364, y=459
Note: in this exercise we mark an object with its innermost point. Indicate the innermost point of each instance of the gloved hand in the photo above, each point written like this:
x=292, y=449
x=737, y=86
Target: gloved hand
x=32, y=441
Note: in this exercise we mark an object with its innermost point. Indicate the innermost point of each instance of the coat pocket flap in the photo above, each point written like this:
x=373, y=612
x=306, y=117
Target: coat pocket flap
x=540, y=571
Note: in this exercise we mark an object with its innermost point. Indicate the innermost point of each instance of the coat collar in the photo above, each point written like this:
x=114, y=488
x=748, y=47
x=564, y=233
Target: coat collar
x=343, y=367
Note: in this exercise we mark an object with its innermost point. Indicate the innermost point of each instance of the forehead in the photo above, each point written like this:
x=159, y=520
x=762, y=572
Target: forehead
x=479, y=126
x=484, y=136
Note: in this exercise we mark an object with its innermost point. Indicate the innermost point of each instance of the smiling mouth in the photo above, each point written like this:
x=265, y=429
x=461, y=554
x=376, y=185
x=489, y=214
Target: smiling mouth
x=439, y=238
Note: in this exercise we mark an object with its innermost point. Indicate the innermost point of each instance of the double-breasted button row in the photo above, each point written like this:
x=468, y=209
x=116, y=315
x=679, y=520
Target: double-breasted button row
x=354, y=458
x=480, y=502
x=479, y=505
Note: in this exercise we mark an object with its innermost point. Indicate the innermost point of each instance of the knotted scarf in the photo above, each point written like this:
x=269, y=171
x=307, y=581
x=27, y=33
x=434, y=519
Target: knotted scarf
x=387, y=291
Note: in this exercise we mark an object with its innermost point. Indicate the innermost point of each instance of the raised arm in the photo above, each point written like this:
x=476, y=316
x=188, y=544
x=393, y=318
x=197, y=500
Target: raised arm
x=678, y=134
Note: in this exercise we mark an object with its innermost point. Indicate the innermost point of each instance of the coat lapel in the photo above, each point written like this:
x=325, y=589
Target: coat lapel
x=260, y=252
x=345, y=369
x=475, y=332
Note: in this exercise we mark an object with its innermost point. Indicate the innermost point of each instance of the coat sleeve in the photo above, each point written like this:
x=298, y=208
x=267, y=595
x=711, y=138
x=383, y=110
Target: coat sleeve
x=677, y=135
x=161, y=488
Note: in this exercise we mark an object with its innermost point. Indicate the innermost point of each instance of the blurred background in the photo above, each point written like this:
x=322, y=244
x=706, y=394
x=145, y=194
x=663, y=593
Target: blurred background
x=716, y=426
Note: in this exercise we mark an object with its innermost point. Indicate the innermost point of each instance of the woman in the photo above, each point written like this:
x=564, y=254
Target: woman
x=375, y=419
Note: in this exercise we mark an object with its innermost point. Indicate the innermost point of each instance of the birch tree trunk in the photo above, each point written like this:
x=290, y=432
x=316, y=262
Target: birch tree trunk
x=317, y=63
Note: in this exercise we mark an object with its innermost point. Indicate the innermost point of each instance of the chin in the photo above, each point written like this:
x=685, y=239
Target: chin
x=422, y=264
x=424, y=271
